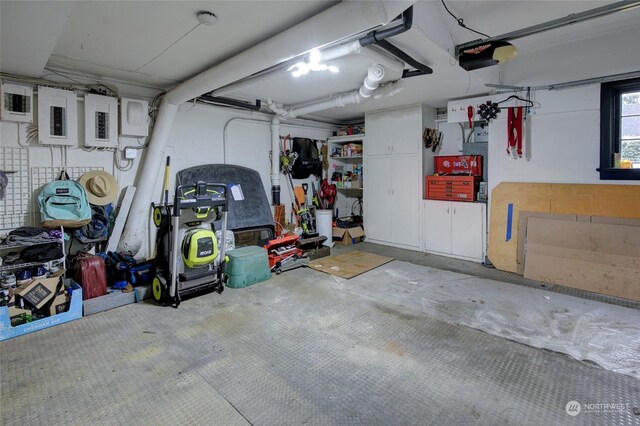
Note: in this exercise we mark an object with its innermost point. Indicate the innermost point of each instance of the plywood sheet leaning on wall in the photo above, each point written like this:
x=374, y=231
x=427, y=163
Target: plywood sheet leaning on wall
x=535, y=197
x=599, y=257
x=597, y=200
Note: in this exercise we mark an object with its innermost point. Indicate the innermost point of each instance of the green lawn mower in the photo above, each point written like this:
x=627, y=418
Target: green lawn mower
x=189, y=258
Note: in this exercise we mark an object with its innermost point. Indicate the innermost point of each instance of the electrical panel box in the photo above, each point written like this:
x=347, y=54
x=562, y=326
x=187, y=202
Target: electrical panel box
x=57, y=116
x=134, y=117
x=481, y=134
x=16, y=102
x=100, y=121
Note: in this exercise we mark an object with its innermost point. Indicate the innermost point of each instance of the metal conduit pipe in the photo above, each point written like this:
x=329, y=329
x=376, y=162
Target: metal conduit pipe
x=402, y=55
x=336, y=23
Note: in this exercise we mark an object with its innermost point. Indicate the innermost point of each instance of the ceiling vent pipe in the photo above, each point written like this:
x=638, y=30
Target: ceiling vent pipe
x=337, y=23
x=369, y=86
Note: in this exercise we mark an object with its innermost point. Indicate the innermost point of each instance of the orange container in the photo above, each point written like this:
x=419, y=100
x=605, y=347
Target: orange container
x=457, y=188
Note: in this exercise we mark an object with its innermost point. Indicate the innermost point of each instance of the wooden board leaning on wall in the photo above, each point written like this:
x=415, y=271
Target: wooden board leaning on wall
x=578, y=199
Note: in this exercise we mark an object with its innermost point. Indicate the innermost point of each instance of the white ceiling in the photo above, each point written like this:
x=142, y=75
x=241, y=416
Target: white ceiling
x=120, y=39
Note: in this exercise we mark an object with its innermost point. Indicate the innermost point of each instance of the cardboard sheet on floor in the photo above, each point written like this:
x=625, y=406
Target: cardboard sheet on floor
x=349, y=265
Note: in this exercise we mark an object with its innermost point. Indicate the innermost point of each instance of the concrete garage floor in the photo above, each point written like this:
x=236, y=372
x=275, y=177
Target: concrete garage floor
x=301, y=348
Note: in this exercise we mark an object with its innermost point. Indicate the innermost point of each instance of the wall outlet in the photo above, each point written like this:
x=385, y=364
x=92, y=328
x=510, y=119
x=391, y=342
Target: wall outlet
x=100, y=121
x=57, y=116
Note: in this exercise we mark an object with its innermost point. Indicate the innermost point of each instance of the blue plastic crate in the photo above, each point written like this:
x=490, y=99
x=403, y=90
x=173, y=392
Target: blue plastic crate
x=74, y=312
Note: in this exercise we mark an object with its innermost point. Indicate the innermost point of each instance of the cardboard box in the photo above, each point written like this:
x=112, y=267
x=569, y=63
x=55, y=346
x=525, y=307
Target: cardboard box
x=60, y=303
x=40, y=291
x=597, y=257
x=7, y=331
x=14, y=311
x=348, y=236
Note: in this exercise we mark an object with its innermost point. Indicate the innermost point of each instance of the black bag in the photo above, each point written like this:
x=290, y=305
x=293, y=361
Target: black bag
x=42, y=253
x=308, y=162
x=27, y=232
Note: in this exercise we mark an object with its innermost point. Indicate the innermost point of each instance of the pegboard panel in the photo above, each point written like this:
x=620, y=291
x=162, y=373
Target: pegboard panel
x=40, y=176
x=14, y=208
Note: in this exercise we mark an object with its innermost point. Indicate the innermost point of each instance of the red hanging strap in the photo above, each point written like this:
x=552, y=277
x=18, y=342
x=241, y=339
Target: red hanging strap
x=514, y=129
x=519, y=115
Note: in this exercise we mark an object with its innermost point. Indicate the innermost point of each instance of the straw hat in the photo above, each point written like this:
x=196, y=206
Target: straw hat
x=101, y=187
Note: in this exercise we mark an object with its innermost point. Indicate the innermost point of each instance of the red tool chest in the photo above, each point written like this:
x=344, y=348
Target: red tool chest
x=454, y=188
x=458, y=165
x=282, y=248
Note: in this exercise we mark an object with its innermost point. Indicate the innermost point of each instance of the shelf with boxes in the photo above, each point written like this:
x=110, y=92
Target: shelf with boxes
x=34, y=293
x=345, y=161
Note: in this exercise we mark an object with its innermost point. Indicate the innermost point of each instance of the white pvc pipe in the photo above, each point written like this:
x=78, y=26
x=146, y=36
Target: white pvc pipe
x=336, y=23
x=275, y=156
x=326, y=55
x=138, y=219
x=370, y=84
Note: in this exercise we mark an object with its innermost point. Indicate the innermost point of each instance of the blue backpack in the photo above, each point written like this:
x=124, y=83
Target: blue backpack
x=64, y=203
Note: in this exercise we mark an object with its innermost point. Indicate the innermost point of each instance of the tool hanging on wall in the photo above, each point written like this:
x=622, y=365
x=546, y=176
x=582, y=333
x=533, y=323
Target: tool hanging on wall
x=488, y=111
x=304, y=215
x=470, y=116
x=287, y=158
x=305, y=188
x=432, y=138
x=514, y=130
x=315, y=200
x=325, y=157
x=327, y=194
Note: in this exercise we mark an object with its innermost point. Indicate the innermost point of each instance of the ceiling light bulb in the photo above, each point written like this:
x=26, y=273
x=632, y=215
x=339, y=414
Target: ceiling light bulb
x=333, y=68
x=296, y=73
x=315, y=56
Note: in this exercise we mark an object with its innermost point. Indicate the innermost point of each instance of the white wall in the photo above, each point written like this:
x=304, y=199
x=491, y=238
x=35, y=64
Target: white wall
x=196, y=138
x=606, y=54
x=452, y=138
x=564, y=139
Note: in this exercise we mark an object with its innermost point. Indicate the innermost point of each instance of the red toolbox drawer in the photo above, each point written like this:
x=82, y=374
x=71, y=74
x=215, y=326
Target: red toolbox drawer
x=459, y=188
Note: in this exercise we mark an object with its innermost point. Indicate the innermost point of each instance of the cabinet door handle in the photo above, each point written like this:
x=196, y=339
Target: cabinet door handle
x=447, y=210
x=454, y=210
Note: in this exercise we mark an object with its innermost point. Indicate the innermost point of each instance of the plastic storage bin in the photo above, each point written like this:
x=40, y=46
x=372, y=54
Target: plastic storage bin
x=247, y=266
